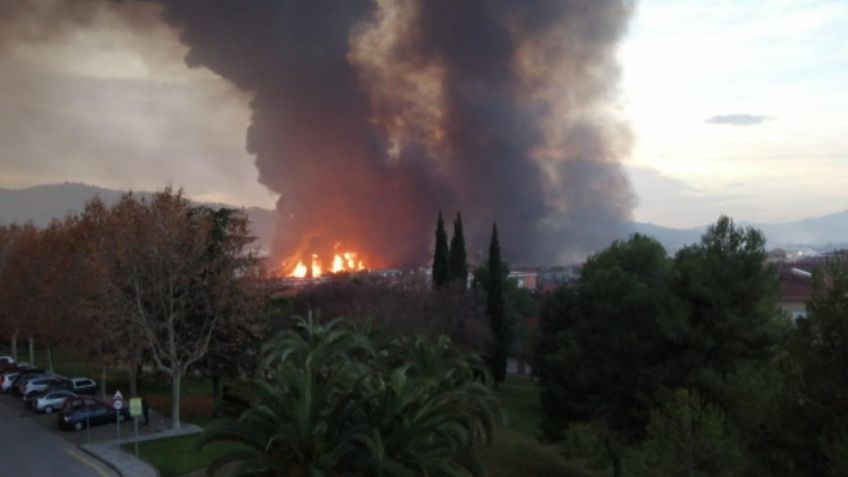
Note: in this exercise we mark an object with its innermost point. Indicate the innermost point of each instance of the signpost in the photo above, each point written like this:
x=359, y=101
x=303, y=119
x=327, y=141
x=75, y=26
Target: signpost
x=87, y=421
x=118, y=404
x=135, y=411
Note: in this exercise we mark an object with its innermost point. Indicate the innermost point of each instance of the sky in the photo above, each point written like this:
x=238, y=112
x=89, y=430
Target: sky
x=736, y=107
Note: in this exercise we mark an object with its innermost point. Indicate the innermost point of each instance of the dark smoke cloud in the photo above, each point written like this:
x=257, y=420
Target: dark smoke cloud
x=371, y=115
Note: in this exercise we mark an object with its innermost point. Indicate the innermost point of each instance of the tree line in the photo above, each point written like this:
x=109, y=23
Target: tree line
x=653, y=365
x=151, y=279
x=450, y=262
x=450, y=271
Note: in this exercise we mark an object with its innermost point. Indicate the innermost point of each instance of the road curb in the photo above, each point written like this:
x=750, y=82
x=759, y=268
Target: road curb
x=125, y=463
x=108, y=464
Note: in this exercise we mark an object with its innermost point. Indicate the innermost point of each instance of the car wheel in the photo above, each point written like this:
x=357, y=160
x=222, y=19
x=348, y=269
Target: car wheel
x=78, y=426
x=48, y=409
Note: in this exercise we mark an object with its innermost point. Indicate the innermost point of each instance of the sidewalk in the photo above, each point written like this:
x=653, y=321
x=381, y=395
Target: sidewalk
x=125, y=463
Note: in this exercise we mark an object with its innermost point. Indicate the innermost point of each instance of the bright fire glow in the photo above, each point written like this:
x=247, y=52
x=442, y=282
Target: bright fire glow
x=316, y=266
x=346, y=262
x=341, y=263
x=300, y=270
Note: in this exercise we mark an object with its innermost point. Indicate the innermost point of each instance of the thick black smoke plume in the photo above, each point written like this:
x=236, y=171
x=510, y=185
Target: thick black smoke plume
x=371, y=115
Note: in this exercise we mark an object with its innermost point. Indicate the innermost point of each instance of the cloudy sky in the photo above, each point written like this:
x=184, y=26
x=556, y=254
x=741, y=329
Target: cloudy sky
x=737, y=107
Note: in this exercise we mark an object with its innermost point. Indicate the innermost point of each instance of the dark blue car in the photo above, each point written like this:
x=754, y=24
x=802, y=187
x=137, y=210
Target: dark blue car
x=77, y=418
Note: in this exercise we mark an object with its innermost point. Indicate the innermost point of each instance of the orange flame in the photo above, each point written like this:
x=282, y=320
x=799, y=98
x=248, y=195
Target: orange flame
x=344, y=262
x=300, y=270
x=316, y=266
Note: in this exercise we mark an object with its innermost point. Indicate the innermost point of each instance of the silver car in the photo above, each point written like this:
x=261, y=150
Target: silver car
x=8, y=380
x=38, y=384
x=51, y=400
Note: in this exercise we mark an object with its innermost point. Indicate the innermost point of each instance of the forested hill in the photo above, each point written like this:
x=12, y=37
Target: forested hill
x=822, y=233
x=43, y=203
x=40, y=204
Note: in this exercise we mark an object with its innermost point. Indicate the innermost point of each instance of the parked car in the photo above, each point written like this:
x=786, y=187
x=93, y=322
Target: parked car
x=41, y=384
x=7, y=360
x=11, y=366
x=22, y=385
x=50, y=401
x=7, y=380
x=36, y=387
x=77, y=385
x=24, y=376
x=29, y=370
x=77, y=418
x=79, y=401
x=29, y=398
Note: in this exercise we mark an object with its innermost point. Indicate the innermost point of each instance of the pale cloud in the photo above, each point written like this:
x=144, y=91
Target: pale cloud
x=738, y=119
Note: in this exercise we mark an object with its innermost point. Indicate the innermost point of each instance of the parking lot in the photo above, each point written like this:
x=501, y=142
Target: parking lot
x=32, y=446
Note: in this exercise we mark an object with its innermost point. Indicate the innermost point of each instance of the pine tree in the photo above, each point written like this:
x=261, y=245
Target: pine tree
x=441, y=273
x=458, y=269
x=496, y=310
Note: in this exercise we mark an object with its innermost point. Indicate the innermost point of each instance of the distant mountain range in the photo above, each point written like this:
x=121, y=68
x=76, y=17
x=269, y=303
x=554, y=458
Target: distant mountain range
x=41, y=204
x=823, y=233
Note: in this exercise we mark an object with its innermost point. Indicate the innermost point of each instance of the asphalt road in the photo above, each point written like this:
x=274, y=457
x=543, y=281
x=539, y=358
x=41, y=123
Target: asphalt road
x=30, y=449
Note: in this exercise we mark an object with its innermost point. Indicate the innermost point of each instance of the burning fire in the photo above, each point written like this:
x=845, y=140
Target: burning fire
x=346, y=262
x=342, y=262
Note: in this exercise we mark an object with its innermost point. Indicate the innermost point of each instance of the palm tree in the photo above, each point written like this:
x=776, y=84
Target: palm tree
x=335, y=400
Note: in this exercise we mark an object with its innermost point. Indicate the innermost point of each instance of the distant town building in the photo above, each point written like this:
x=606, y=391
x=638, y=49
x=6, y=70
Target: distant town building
x=789, y=254
x=528, y=279
x=796, y=285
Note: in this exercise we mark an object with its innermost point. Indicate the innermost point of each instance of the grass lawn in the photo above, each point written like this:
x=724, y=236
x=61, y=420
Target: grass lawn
x=178, y=456
x=516, y=451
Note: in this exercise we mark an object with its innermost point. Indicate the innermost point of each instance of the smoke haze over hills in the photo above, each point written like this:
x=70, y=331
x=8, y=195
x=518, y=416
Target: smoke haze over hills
x=368, y=116
x=47, y=202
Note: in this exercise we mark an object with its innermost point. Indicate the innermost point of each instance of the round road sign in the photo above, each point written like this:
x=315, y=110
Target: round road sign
x=118, y=400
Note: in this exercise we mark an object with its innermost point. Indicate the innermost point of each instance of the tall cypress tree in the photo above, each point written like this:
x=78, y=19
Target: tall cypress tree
x=441, y=273
x=458, y=268
x=496, y=309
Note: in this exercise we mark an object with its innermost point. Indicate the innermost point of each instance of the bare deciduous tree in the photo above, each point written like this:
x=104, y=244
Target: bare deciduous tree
x=176, y=271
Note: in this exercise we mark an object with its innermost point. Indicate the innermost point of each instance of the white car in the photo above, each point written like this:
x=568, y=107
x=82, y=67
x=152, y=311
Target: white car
x=38, y=384
x=8, y=380
x=51, y=400
x=7, y=360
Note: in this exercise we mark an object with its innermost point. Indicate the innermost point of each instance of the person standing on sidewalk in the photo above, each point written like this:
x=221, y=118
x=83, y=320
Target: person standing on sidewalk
x=145, y=410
